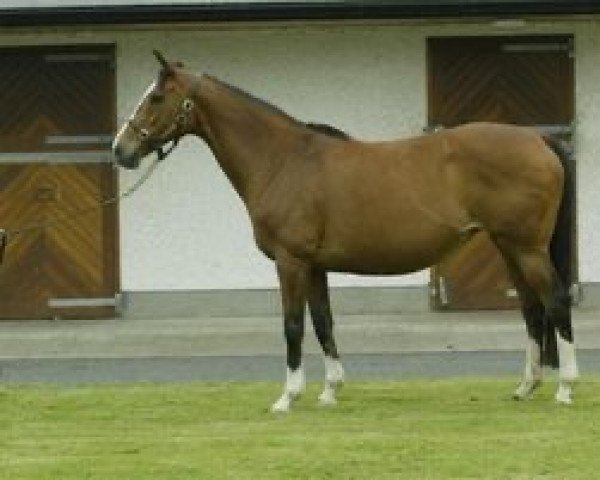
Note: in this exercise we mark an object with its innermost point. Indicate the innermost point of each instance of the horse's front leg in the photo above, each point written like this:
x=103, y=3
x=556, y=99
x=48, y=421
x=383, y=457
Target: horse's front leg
x=320, y=311
x=294, y=280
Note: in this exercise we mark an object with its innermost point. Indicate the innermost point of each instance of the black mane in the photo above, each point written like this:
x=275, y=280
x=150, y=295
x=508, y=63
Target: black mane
x=328, y=130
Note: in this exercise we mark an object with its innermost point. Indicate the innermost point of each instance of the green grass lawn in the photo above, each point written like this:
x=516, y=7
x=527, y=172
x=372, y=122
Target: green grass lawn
x=411, y=430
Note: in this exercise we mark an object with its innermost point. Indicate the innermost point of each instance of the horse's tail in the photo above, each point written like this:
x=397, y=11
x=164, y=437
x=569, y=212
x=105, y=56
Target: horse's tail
x=561, y=245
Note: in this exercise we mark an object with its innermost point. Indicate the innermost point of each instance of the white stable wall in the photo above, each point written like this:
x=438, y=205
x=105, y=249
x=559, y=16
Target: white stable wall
x=187, y=230
x=356, y=78
x=587, y=124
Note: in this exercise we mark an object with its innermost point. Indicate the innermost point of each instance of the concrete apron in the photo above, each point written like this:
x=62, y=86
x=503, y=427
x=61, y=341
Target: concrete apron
x=262, y=335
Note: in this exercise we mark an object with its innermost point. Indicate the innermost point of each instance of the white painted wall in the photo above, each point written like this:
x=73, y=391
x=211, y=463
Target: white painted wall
x=587, y=108
x=186, y=229
x=355, y=78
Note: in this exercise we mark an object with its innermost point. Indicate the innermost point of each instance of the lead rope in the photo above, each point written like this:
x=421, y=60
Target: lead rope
x=181, y=120
x=7, y=235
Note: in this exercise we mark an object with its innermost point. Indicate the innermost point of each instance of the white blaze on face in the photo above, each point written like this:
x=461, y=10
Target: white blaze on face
x=149, y=90
x=119, y=135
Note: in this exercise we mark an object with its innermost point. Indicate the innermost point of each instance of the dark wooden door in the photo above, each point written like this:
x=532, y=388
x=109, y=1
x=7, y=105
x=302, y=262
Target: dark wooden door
x=518, y=80
x=56, y=122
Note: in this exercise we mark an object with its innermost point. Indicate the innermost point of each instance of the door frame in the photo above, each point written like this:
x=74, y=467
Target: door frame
x=110, y=227
x=439, y=295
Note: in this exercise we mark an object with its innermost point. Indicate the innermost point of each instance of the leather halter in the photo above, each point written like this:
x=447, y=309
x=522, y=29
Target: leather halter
x=182, y=120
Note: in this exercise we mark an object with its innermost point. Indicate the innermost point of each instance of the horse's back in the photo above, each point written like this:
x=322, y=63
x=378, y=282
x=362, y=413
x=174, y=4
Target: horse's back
x=414, y=199
x=385, y=206
x=394, y=207
x=499, y=147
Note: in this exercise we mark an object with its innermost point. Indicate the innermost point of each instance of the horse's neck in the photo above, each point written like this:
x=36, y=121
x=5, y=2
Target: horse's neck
x=245, y=137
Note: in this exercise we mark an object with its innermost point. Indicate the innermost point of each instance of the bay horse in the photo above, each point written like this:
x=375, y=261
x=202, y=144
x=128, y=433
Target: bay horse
x=320, y=201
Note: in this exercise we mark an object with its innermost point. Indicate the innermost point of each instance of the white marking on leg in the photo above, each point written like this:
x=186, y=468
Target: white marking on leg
x=334, y=378
x=564, y=393
x=566, y=358
x=532, y=377
x=567, y=370
x=294, y=386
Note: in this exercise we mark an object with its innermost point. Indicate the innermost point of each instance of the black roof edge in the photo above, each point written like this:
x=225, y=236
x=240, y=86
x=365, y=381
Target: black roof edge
x=285, y=11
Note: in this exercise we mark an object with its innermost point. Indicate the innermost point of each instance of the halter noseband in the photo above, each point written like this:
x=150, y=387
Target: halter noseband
x=162, y=154
x=181, y=122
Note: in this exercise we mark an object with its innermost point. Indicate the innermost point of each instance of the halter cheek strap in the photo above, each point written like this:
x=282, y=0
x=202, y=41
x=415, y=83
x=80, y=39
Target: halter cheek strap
x=182, y=121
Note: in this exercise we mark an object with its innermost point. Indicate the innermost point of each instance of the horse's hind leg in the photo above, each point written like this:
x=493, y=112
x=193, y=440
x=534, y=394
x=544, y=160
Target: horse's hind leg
x=533, y=314
x=320, y=310
x=553, y=333
x=560, y=311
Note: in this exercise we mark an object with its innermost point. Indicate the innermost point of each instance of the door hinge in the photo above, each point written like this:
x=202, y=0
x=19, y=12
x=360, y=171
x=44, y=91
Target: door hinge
x=512, y=293
x=576, y=292
x=442, y=289
x=432, y=128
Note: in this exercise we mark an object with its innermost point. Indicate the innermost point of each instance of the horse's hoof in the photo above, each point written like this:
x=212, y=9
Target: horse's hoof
x=521, y=396
x=564, y=401
x=280, y=406
x=284, y=404
x=326, y=399
x=525, y=390
x=563, y=395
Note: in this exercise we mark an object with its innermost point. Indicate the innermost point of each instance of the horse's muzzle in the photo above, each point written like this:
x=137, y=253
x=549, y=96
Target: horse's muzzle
x=122, y=159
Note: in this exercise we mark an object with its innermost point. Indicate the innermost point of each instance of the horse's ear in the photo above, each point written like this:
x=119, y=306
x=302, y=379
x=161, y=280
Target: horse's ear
x=161, y=59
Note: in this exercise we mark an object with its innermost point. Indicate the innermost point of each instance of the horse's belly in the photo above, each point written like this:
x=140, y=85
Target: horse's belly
x=386, y=256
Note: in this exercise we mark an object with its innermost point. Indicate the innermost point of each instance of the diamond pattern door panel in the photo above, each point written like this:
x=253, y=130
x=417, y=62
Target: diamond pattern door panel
x=56, y=121
x=65, y=255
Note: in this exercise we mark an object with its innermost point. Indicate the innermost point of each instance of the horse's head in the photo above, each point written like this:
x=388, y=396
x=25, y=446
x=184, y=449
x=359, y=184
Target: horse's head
x=164, y=114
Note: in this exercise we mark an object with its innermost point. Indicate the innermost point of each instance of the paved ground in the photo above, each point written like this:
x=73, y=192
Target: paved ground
x=387, y=366
x=414, y=344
